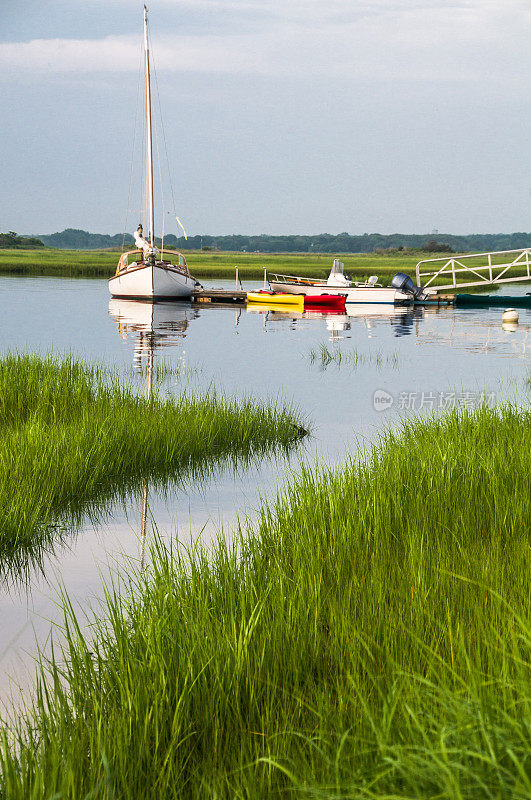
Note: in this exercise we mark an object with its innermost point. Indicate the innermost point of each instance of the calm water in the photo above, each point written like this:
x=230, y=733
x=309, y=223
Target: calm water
x=395, y=362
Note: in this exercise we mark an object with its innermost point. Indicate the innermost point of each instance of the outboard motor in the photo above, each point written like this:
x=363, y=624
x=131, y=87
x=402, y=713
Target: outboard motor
x=403, y=283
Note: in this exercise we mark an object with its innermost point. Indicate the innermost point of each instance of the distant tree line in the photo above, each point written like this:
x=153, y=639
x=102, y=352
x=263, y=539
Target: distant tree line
x=71, y=239
x=13, y=241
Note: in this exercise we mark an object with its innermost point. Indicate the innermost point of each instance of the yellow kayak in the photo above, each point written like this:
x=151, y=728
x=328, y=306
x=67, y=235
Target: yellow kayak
x=293, y=300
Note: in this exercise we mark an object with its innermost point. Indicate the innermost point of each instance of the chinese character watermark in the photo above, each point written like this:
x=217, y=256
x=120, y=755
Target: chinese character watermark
x=415, y=400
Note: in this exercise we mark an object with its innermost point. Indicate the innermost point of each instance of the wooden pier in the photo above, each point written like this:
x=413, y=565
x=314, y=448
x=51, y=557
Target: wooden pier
x=218, y=296
x=237, y=297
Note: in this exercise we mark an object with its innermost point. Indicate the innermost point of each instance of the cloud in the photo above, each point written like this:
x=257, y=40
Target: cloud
x=380, y=39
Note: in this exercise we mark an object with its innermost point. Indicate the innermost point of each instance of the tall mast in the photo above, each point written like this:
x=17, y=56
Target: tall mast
x=149, y=136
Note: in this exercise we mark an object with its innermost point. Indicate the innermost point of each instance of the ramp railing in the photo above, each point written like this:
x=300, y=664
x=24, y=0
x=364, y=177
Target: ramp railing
x=502, y=266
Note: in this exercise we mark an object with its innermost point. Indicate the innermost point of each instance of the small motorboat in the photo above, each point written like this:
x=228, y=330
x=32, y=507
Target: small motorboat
x=332, y=301
x=276, y=298
x=401, y=291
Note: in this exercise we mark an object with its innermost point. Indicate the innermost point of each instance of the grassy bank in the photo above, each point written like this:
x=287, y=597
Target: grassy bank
x=206, y=266
x=369, y=638
x=203, y=265
x=72, y=438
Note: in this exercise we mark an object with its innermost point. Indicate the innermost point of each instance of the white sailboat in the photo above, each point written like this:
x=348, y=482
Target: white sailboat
x=145, y=273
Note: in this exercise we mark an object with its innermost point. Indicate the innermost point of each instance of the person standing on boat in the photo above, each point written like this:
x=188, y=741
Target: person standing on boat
x=142, y=244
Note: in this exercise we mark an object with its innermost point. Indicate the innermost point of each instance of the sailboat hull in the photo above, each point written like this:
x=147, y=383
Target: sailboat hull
x=151, y=283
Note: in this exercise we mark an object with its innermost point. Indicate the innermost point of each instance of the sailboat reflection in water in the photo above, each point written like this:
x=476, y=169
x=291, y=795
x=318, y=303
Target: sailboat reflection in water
x=152, y=326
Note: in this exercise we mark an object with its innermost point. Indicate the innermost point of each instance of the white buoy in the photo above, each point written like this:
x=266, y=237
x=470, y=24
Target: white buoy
x=510, y=315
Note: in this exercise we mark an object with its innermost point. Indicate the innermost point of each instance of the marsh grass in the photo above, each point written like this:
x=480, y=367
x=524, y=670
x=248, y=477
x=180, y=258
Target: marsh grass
x=325, y=356
x=367, y=637
x=164, y=370
x=74, y=438
x=203, y=265
x=221, y=264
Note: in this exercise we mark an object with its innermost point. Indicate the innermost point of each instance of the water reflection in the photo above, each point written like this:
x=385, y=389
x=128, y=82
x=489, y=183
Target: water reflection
x=145, y=486
x=156, y=325
x=401, y=318
x=151, y=325
x=477, y=331
x=164, y=324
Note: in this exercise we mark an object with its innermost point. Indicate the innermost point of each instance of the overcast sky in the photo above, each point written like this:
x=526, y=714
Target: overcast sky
x=293, y=116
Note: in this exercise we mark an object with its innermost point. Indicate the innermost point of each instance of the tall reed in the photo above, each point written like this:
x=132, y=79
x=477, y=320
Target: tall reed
x=74, y=438
x=324, y=356
x=368, y=637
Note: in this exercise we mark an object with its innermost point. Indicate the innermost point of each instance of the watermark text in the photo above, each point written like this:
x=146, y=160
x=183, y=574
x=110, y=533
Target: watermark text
x=382, y=400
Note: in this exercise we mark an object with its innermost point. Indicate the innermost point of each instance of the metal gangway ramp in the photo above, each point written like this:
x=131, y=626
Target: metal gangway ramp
x=501, y=266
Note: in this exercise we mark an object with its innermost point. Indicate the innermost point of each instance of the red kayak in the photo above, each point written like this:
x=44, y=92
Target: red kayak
x=335, y=301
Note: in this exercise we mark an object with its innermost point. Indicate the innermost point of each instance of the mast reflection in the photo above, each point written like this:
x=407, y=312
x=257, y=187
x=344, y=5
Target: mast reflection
x=151, y=326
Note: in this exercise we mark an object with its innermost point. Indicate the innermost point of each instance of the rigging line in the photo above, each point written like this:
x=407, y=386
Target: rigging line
x=144, y=198
x=157, y=146
x=143, y=213
x=164, y=135
x=132, y=154
x=145, y=177
x=161, y=186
